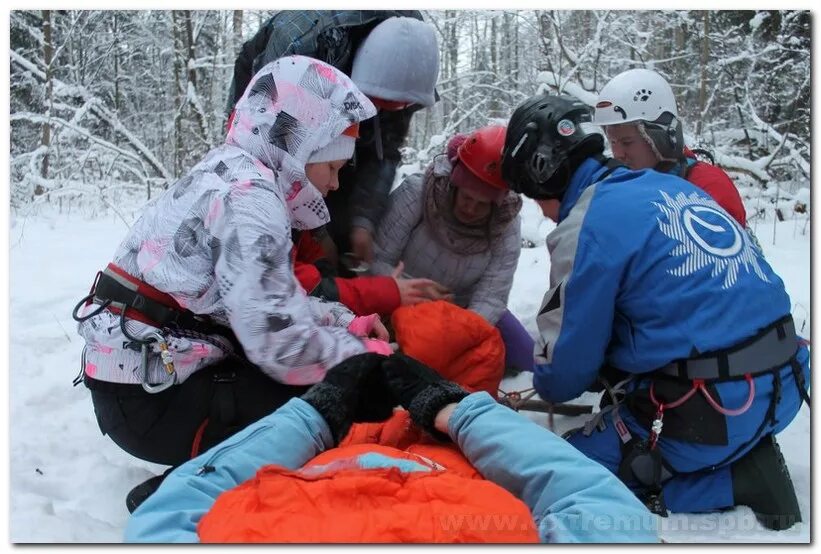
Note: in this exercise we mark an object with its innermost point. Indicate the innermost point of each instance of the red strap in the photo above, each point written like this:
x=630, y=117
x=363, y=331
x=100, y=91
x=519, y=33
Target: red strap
x=195, y=446
x=131, y=313
x=146, y=290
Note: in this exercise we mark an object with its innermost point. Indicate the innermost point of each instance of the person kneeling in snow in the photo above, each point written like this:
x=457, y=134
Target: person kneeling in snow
x=649, y=275
x=284, y=479
x=199, y=326
x=458, y=223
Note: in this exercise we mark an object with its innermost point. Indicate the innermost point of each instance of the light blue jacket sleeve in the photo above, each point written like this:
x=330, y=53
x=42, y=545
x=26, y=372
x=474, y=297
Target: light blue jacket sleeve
x=289, y=437
x=572, y=498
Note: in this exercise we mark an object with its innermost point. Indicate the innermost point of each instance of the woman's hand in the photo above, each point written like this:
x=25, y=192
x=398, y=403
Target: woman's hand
x=379, y=331
x=413, y=291
x=369, y=326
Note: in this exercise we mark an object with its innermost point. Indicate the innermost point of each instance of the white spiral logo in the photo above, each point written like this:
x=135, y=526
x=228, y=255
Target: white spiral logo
x=690, y=222
x=690, y=218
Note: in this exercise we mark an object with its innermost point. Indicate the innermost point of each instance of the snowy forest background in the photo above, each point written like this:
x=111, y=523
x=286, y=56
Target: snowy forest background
x=109, y=107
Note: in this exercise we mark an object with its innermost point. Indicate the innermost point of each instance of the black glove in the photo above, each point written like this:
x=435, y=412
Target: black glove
x=421, y=390
x=353, y=390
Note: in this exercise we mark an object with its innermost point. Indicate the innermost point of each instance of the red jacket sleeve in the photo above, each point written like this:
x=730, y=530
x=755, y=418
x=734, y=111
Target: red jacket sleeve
x=307, y=249
x=308, y=276
x=363, y=295
x=369, y=295
x=715, y=182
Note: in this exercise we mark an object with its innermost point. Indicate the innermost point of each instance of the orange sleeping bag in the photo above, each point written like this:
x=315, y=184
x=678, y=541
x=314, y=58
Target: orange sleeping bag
x=356, y=492
x=334, y=499
x=458, y=343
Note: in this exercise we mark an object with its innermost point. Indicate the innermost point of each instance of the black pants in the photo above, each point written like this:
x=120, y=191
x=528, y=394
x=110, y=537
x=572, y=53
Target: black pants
x=214, y=403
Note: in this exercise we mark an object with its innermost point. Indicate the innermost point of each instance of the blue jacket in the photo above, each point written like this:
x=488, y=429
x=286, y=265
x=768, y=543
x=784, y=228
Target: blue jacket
x=647, y=268
x=572, y=498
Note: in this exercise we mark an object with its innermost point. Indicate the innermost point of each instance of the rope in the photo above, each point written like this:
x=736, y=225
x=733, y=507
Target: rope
x=737, y=411
x=515, y=398
x=678, y=402
x=698, y=384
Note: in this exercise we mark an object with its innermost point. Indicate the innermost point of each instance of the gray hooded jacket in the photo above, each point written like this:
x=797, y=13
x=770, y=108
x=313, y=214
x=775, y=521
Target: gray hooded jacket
x=480, y=282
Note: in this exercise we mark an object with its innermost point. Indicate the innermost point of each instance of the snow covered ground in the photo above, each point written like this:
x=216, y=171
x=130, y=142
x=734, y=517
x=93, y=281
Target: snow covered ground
x=68, y=482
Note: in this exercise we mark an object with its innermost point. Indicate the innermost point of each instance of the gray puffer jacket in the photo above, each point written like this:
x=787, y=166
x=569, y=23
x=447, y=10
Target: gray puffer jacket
x=219, y=239
x=480, y=282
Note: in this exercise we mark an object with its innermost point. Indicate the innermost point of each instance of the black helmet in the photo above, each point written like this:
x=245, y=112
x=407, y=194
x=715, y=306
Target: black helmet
x=545, y=144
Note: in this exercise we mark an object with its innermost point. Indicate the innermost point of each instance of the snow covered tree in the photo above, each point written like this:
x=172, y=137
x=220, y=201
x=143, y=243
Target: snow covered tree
x=115, y=104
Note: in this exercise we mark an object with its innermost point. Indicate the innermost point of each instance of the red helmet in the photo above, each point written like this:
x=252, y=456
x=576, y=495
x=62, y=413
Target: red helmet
x=481, y=153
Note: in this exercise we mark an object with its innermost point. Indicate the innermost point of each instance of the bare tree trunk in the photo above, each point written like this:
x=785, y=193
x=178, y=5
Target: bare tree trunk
x=747, y=138
x=116, y=48
x=681, y=37
x=190, y=57
x=189, y=42
x=453, y=62
x=45, y=139
x=515, y=38
x=544, y=42
x=505, y=47
x=494, y=66
x=475, y=51
x=494, y=48
x=116, y=66
x=186, y=100
x=237, y=30
x=705, y=57
x=179, y=96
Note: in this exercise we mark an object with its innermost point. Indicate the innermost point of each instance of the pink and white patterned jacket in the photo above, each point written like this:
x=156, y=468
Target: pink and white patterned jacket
x=219, y=239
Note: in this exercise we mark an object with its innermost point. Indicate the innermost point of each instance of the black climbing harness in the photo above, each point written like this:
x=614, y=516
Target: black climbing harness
x=120, y=293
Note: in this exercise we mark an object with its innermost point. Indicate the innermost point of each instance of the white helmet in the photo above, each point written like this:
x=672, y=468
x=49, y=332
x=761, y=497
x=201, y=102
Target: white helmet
x=644, y=97
x=635, y=95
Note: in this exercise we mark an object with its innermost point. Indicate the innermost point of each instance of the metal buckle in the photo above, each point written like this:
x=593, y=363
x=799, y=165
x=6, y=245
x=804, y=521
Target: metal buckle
x=167, y=361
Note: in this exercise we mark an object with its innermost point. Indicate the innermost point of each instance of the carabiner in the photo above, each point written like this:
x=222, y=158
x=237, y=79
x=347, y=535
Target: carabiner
x=167, y=361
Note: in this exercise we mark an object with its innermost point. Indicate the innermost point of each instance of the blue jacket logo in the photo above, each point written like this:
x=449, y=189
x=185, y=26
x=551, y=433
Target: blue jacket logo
x=694, y=225
x=706, y=236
